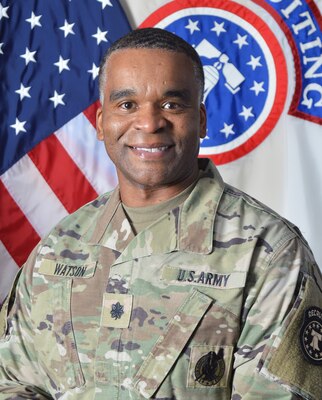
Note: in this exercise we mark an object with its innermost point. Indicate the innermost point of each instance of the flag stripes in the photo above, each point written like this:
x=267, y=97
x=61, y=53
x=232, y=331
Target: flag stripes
x=62, y=174
x=20, y=239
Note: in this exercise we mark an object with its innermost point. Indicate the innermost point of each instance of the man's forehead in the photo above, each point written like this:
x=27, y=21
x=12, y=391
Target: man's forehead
x=145, y=54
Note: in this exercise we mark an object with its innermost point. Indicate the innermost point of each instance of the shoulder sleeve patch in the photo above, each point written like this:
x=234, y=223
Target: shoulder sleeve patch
x=295, y=358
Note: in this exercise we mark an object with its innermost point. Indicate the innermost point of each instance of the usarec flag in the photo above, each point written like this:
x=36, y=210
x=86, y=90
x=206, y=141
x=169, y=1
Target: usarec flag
x=263, y=67
x=51, y=163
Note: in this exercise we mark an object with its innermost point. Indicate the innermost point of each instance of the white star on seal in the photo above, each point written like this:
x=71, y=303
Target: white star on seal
x=18, y=126
x=1, y=51
x=94, y=71
x=34, y=20
x=62, y=64
x=105, y=3
x=67, y=28
x=247, y=112
x=254, y=62
x=29, y=56
x=192, y=26
x=23, y=91
x=227, y=130
x=218, y=28
x=100, y=36
x=241, y=41
x=57, y=99
x=258, y=87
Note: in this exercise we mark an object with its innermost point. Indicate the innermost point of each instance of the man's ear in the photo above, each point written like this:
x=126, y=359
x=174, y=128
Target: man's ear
x=203, y=121
x=99, y=124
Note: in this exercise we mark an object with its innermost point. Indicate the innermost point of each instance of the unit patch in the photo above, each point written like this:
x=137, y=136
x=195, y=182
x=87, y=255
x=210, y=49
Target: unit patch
x=311, y=335
x=210, y=368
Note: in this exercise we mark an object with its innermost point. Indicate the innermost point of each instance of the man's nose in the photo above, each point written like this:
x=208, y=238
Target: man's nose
x=150, y=119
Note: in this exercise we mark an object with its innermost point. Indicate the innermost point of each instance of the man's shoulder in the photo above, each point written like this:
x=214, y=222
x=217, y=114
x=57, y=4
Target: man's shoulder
x=254, y=216
x=79, y=223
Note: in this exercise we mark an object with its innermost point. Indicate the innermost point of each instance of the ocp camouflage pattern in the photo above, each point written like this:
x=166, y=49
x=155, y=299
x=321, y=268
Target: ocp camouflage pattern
x=203, y=304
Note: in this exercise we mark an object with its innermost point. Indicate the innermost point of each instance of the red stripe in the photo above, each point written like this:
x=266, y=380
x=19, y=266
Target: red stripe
x=16, y=232
x=61, y=173
x=90, y=112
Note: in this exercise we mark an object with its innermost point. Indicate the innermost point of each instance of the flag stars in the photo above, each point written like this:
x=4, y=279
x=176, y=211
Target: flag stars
x=29, y=56
x=57, y=99
x=34, y=20
x=105, y=3
x=23, y=91
x=218, y=28
x=192, y=26
x=254, y=62
x=19, y=126
x=3, y=12
x=257, y=87
x=246, y=113
x=1, y=51
x=94, y=71
x=67, y=28
x=241, y=41
x=227, y=130
x=62, y=64
x=100, y=36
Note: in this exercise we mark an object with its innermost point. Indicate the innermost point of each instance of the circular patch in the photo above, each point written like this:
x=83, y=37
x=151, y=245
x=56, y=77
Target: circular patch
x=311, y=335
x=210, y=368
x=245, y=72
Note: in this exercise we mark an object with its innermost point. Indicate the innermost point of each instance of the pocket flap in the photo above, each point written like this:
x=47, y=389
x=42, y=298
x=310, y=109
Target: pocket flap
x=170, y=345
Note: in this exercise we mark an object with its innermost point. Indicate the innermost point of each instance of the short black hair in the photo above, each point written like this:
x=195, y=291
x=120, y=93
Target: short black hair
x=153, y=38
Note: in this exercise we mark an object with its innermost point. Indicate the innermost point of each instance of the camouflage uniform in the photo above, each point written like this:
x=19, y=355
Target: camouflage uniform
x=220, y=298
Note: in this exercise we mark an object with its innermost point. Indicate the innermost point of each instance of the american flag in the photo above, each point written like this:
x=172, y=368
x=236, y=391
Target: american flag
x=51, y=161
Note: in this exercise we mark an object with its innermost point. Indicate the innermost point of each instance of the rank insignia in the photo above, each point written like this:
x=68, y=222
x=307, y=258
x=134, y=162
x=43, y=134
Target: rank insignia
x=210, y=368
x=117, y=310
x=311, y=335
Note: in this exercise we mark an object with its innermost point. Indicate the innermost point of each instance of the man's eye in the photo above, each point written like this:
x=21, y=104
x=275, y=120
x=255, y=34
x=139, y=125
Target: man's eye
x=171, y=105
x=127, y=105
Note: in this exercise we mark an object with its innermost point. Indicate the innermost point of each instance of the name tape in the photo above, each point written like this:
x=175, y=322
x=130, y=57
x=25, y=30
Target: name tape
x=233, y=280
x=54, y=268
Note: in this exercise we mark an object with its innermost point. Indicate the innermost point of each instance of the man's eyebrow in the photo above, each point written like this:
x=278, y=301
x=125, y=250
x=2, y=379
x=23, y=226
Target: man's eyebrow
x=183, y=94
x=120, y=94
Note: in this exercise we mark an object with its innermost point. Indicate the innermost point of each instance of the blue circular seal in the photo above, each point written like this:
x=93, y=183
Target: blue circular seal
x=245, y=72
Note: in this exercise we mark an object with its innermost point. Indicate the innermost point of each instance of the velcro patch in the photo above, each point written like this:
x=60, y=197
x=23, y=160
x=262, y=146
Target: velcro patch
x=175, y=276
x=56, y=268
x=116, y=310
x=210, y=366
x=288, y=361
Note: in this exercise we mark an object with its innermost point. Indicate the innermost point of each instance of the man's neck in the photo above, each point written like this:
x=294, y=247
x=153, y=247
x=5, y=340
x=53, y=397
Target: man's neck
x=137, y=196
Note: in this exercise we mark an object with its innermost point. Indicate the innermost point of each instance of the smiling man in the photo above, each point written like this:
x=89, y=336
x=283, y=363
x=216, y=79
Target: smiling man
x=151, y=121
x=175, y=285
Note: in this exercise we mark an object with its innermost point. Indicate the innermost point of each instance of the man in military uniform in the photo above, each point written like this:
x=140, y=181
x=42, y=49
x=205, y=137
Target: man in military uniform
x=175, y=285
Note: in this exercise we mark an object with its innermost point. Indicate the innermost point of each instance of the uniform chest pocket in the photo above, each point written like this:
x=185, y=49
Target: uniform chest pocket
x=54, y=335
x=183, y=364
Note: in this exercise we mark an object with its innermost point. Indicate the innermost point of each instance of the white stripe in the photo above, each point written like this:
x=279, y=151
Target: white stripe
x=79, y=139
x=33, y=195
x=8, y=271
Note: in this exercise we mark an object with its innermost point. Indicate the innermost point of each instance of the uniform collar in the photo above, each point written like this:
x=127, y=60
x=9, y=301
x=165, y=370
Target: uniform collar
x=187, y=228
